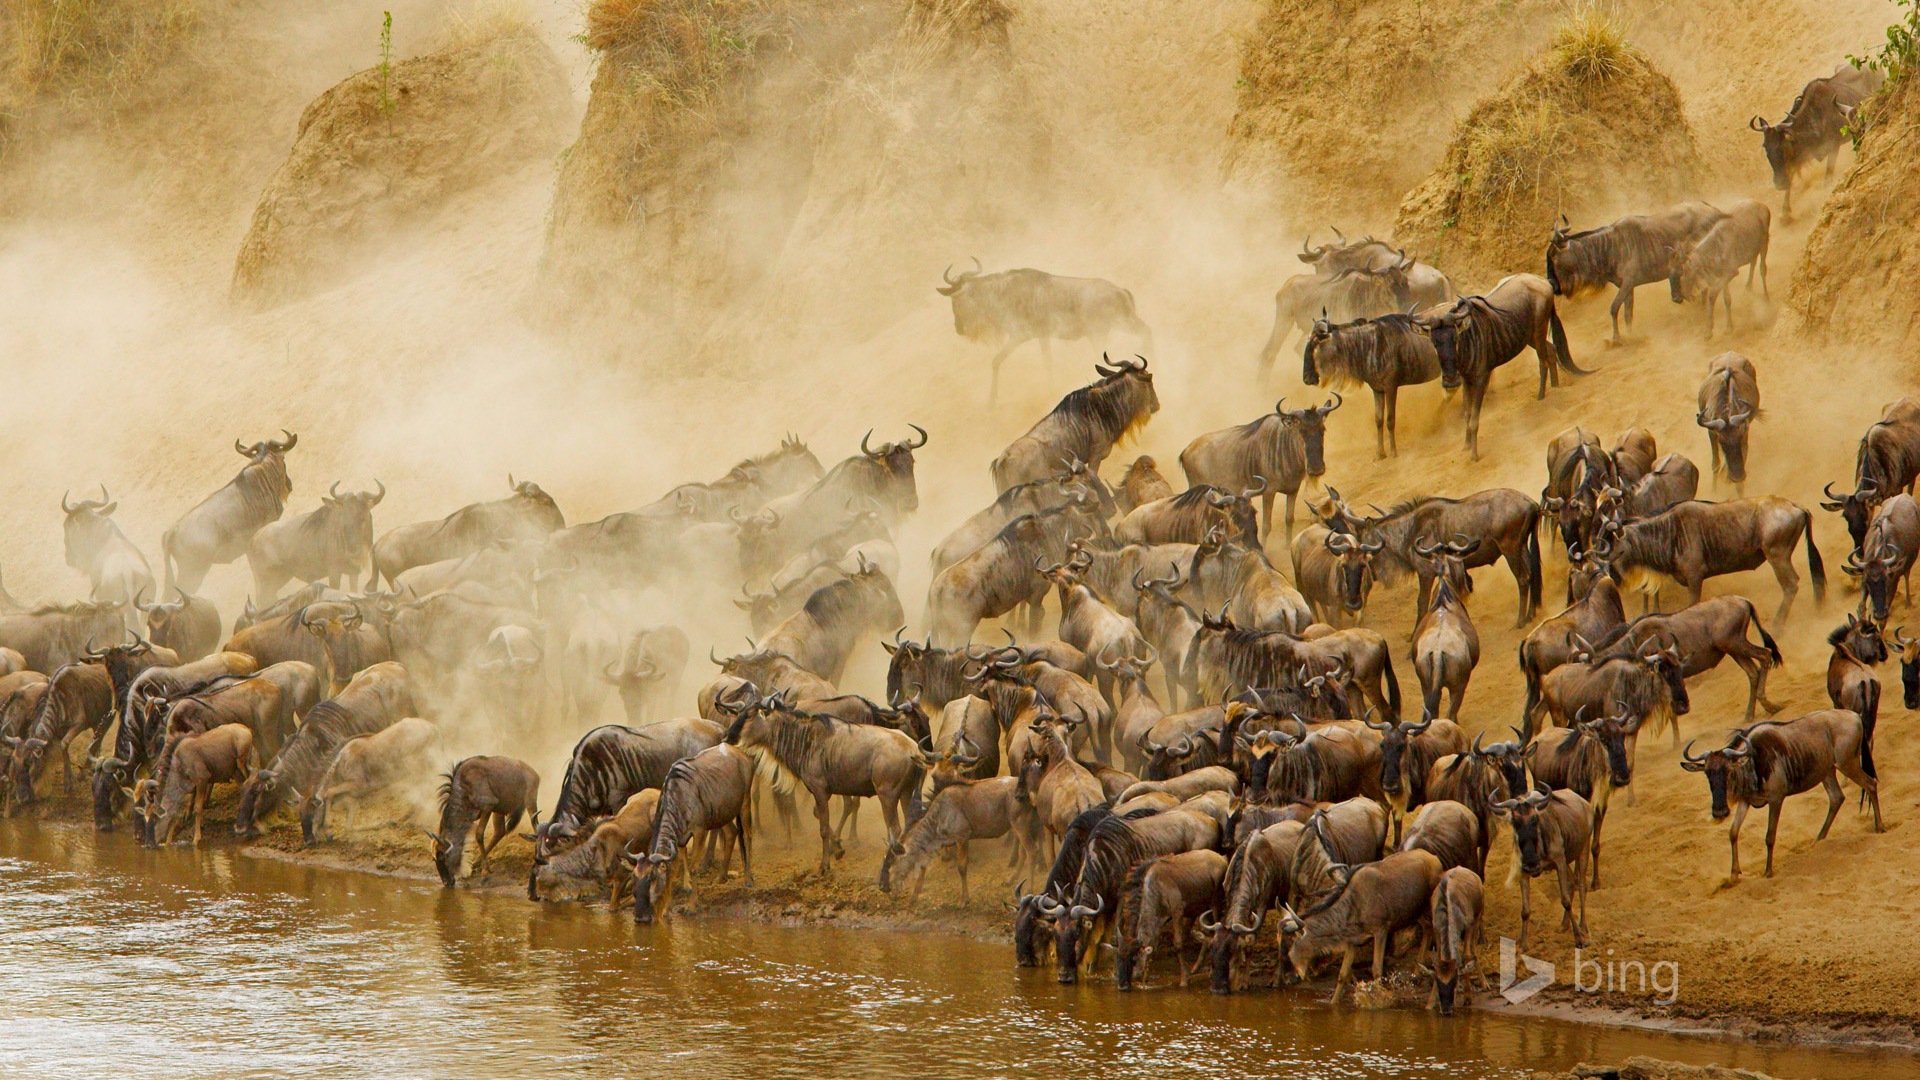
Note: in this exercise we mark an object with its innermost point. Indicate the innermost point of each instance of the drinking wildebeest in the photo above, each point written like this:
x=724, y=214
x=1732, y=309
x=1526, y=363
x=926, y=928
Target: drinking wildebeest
x=1455, y=934
x=1887, y=463
x=1633, y=251
x=476, y=792
x=1480, y=333
x=1274, y=453
x=1371, y=902
x=219, y=528
x=1729, y=404
x=332, y=541
x=1697, y=540
x=1013, y=307
x=1708, y=267
x=1764, y=763
x=116, y=570
x=1384, y=354
x=1083, y=427
x=1812, y=128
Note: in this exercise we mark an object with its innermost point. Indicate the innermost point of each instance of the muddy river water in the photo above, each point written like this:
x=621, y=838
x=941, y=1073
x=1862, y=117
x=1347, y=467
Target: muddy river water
x=127, y=963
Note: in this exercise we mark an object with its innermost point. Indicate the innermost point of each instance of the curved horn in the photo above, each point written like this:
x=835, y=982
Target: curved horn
x=910, y=444
x=65, y=505
x=1333, y=402
x=863, y=443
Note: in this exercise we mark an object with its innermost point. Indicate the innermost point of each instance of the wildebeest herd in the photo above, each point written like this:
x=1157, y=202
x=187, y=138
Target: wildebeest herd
x=1210, y=744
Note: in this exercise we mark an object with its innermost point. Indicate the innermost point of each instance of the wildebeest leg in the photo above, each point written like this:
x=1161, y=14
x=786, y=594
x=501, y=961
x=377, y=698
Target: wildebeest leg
x=993, y=387
x=1454, y=695
x=1541, y=354
x=1475, y=396
x=200, y=808
x=822, y=813
x=1834, y=799
x=1346, y=973
x=1380, y=941
x=849, y=807
x=1379, y=425
x=960, y=866
x=1266, y=513
x=1526, y=912
x=1789, y=584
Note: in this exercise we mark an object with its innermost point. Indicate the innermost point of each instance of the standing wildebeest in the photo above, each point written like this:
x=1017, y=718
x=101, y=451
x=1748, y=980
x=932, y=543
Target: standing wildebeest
x=1768, y=761
x=194, y=763
x=821, y=638
x=1706, y=268
x=1165, y=897
x=1478, y=778
x=1272, y=454
x=1500, y=522
x=1032, y=497
x=1141, y=484
x=1813, y=126
x=1356, y=293
x=1189, y=517
x=791, y=524
x=1407, y=754
x=96, y=547
x=220, y=527
x=1729, y=403
x=527, y=514
x=1257, y=881
x=270, y=702
x=332, y=541
x=612, y=762
x=1480, y=333
x=1587, y=619
x=1449, y=830
x=1334, y=573
x=1851, y=684
x=1633, y=454
x=958, y=813
x=189, y=626
x=1000, y=575
x=1674, y=479
x=1886, y=555
x=476, y=791
x=830, y=757
x=1416, y=284
x=1372, y=902
x=78, y=697
x=1455, y=935
x=1446, y=647
x=1013, y=307
x=1695, y=541
x=1384, y=354
x=1633, y=251
x=1703, y=634
x=1083, y=427
x=1888, y=462
x=1591, y=758
x=1552, y=828
x=56, y=634
x=1643, y=681
x=710, y=791
x=376, y=698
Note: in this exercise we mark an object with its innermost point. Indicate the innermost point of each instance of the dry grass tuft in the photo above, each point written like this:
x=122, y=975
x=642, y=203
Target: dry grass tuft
x=96, y=54
x=487, y=21
x=680, y=53
x=1590, y=45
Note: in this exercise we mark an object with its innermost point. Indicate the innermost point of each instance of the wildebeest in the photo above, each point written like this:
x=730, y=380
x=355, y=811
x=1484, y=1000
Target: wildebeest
x=1189, y=517
x=1480, y=333
x=268, y=702
x=1446, y=647
x=1592, y=758
x=1257, y=881
x=599, y=860
x=1706, y=269
x=1643, y=680
x=1813, y=126
x=1373, y=901
x=1729, y=404
x=1501, y=522
x=1238, y=576
x=1674, y=479
x=1694, y=541
x=1886, y=556
x=190, y=626
x=1552, y=828
x=1703, y=634
x=1334, y=573
x=1141, y=484
x=475, y=792
x=1031, y=497
x=332, y=541
x=1480, y=777
x=1455, y=935
x=193, y=764
x=1586, y=620
x=958, y=813
x=219, y=528
x=1633, y=251
x=529, y=513
x=1887, y=463
x=821, y=638
x=78, y=698
x=1407, y=754
x=707, y=792
x=879, y=478
x=1164, y=897
x=116, y=570
x=1272, y=454
x=609, y=764
x=55, y=634
x=649, y=672
x=1001, y=574
x=1764, y=763
x=1384, y=354
x=1423, y=285
x=1012, y=307
x=1085, y=426
x=1448, y=830
x=377, y=697
x=1851, y=684
x=364, y=766
x=830, y=757
x=1224, y=656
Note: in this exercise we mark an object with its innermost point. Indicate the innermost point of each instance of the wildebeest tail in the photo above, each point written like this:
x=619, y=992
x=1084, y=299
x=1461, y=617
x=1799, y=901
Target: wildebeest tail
x=1559, y=335
x=1869, y=716
x=1434, y=680
x=1815, y=567
x=1393, y=688
x=1766, y=639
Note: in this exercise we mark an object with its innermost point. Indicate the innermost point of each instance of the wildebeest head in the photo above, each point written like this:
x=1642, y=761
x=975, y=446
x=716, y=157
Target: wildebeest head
x=1876, y=574
x=1672, y=669
x=25, y=764
x=1774, y=139
x=268, y=449
x=1444, y=330
x=1353, y=567
x=1612, y=733
x=1729, y=433
x=1856, y=509
x=355, y=508
x=1311, y=423
x=652, y=875
x=1446, y=561
x=164, y=618
x=1395, y=737
x=110, y=779
x=1730, y=771
x=1507, y=756
x=258, y=795
x=897, y=458
x=87, y=528
x=1524, y=815
x=1572, y=268
x=1861, y=638
x=972, y=314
